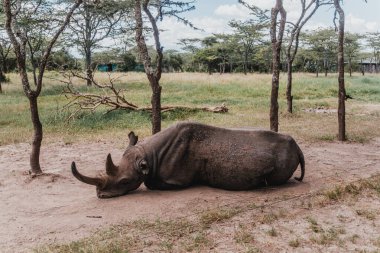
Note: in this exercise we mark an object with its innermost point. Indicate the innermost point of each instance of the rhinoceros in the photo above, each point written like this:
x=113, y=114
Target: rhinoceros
x=191, y=153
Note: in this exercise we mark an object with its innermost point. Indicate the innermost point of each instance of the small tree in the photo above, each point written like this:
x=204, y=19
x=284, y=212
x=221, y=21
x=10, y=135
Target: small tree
x=163, y=8
x=276, y=38
x=373, y=41
x=208, y=56
x=21, y=18
x=342, y=90
x=173, y=61
x=308, y=8
x=351, y=48
x=191, y=46
x=92, y=24
x=248, y=34
x=61, y=59
x=154, y=76
x=322, y=44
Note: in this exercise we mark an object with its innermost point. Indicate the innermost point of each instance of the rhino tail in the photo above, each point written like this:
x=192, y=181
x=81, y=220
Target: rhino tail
x=302, y=162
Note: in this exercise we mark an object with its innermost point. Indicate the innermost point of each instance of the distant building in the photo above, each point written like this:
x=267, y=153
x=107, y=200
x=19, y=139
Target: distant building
x=110, y=66
x=369, y=66
x=113, y=66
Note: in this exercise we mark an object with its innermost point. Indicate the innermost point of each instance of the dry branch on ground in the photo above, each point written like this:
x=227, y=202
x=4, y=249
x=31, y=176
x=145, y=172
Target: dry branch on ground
x=113, y=98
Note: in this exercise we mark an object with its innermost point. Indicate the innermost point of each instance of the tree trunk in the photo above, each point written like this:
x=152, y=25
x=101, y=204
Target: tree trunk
x=245, y=62
x=292, y=47
x=156, y=106
x=350, y=66
x=276, y=51
x=342, y=90
x=88, y=66
x=87, y=43
x=153, y=76
x=273, y=99
x=2, y=76
x=37, y=137
x=362, y=67
x=289, y=96
x=2, y=79
x=325, y=63
x=32, y=95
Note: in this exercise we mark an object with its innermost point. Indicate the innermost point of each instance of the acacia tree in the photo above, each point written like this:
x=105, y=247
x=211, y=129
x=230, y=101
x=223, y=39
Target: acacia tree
x=342, y=90
x=248, y=34
x=277, y=29
x=322, y=46
x=351, y=48
x=93, y=23
x=224, y=50
x=373, y=41
x=276, y=39
x=308, y=8
x=209, y=54
x=21, y=18
x=153, y=73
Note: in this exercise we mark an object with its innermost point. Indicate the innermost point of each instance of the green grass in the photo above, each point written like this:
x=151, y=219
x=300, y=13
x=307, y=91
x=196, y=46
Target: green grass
x=247, y=98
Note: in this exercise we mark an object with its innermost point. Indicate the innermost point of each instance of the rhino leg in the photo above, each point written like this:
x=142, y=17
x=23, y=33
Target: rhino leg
x=282, y=172
x=279, y=176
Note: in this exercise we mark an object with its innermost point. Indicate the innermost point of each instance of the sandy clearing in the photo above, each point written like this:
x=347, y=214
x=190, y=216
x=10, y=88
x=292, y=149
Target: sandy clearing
x=58, y=208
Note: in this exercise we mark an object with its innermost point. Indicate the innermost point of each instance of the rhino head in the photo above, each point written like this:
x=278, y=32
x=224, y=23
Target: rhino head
x=121, y=179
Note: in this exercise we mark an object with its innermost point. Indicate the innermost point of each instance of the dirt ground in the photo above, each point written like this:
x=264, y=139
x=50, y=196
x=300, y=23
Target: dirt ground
x=58, y=208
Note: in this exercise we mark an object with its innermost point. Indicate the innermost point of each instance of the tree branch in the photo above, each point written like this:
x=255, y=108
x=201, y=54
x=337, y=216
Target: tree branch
x=112, y=98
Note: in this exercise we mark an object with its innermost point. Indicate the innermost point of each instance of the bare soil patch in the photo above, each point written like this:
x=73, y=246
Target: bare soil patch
x=57, y=208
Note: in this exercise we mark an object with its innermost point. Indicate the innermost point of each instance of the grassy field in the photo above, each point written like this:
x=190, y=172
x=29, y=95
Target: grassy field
x=247, y=98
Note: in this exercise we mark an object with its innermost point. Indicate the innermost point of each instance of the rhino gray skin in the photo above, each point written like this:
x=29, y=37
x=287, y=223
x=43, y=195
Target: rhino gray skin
x=190, y=153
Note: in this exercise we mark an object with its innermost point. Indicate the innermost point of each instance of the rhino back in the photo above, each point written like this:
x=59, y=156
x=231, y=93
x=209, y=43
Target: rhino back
x=191, y=153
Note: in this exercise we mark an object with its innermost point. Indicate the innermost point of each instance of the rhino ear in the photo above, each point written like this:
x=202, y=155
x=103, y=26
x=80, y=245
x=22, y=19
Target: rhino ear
x=132, y=139
x=143, y=167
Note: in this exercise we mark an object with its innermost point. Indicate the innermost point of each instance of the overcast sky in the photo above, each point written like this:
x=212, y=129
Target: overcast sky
x=213, y=16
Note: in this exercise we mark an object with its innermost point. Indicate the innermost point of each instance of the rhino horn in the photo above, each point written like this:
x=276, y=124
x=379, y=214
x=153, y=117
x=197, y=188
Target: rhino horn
x=88, y=180
x=110, y=166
